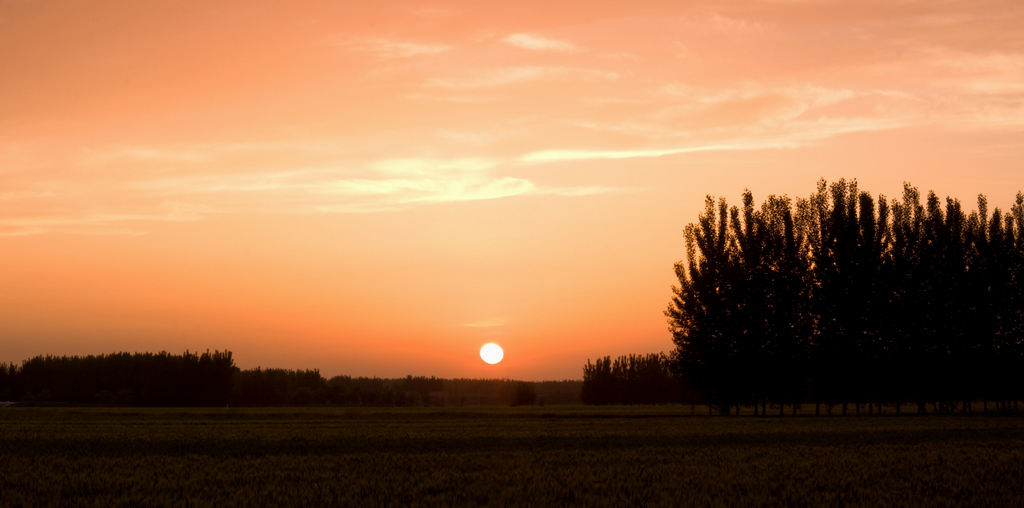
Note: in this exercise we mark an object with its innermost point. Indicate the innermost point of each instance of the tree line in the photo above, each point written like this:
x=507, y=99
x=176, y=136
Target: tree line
x=635, y=379
x=212, y=379
x=842, y=299
x=143, y=379
x=280, y=387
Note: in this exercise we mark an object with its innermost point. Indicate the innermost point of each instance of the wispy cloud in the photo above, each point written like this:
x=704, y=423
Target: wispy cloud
x=806, y=96
x=591, y=190
x=99, y=222
x=536, y=42
x=455, y=98
x=517, y=75
x=729, y=24
x=421, y=166
x=388, y=48
x=792, y=135
x=210, y=183
x=203, y=153
x=21, y=195
x=543, y=156
x=487, y=323
x=988, y=73
x=749, y=116
x=407, y=191
x=467, y=137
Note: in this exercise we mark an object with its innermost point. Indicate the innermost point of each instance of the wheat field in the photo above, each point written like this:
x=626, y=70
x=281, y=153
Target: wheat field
x=553, y=456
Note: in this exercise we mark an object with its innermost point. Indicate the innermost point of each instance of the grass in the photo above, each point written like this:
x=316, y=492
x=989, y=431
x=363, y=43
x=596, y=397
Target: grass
x=553, y=456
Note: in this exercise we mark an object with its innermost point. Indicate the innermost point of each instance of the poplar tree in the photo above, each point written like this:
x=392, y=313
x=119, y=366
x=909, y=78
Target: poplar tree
x=846, y=299
x=703, y=315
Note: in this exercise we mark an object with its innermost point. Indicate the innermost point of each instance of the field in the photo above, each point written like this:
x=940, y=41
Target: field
x=532, y=456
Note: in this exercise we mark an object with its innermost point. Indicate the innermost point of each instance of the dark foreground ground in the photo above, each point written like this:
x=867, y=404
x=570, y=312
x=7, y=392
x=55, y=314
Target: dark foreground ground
x=576, y=456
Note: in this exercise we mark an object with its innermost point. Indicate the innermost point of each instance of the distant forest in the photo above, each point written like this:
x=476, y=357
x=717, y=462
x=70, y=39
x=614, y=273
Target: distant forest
x=211, y=379
x=841, y=299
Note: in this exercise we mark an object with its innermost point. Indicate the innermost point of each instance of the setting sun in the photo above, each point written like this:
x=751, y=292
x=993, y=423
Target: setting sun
x=491, y=353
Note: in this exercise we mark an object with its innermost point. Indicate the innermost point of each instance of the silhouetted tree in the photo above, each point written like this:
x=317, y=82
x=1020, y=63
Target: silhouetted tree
x=843, y=299
x=633, y=379
x=704, y=316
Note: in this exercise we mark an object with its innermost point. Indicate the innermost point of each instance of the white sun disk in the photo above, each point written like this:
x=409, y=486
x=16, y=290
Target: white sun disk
x=491, y=353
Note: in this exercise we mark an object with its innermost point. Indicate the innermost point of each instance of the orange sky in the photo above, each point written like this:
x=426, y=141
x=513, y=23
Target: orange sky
x=379, y=190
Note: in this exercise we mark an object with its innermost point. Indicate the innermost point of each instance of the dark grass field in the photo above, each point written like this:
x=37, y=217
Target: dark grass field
x=554, y=456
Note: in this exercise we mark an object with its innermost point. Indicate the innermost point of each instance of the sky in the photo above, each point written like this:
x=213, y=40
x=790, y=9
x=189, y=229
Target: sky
x=380, y=188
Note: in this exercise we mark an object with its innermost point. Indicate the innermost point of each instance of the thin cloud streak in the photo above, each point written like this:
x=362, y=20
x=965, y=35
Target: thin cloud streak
x=99, y=223
x=385, y=185
x=802, y=133
x=518, y=75
x=537, y=43
x=391, y=49
x=544, y=156
x=487, y=323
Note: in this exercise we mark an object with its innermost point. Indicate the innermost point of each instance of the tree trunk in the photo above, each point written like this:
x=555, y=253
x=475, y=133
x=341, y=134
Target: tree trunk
x=844, y=408
x=817, y=408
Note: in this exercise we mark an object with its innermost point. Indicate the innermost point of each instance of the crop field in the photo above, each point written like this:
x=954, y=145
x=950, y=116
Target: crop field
x=531, y=456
